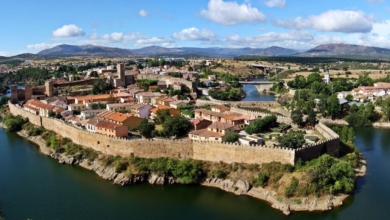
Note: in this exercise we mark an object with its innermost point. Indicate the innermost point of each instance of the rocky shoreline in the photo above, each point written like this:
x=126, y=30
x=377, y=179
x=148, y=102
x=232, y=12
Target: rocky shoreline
x=238, y=187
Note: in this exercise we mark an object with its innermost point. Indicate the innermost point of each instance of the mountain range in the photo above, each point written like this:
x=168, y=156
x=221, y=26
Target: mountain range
x=100, y=51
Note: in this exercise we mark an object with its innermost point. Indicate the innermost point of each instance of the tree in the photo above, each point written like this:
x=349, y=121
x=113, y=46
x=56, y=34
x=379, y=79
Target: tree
x=100, y=86
x=385, y=105
x=94, y=74
x=176, y=126
x=162, y=115
x=296, y=116
x=52, y=114
x=314, y=77
x=146, y=128
x=293, y=139
x=334, y=107
x=349, y=97
x=311, y=116
x=345, y=68
x=231, y=137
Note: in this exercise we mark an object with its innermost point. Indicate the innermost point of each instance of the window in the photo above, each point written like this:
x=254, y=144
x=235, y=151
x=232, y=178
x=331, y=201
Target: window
x=98, y=142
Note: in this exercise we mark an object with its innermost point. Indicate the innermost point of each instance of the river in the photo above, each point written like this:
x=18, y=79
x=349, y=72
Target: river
x=253, y=95
x=35, y=186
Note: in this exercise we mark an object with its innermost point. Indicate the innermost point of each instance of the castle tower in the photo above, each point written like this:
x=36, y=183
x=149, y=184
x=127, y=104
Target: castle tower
x=28, y=91
x=49, y=88
x=121, y=71
x=14, y=93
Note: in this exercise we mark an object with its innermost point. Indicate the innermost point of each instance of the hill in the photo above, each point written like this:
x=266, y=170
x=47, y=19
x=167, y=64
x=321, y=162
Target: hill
x=86, y=50
x=346, y=49
x=92, y=50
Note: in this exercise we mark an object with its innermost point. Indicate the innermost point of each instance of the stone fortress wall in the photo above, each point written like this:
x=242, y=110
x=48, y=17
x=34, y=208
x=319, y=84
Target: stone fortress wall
x=180, y=149
x=263, y=104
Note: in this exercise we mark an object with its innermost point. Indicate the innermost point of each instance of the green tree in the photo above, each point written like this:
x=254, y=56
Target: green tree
x=334, y=107
x=314, y=77
x=296, y=117
x=385, y=105
x=162, y=115
x=146, y=128
x=293, y=139
x=100, y=86
x=311, y=116
x=231, y=137
x=176, y=126
x=349, y=97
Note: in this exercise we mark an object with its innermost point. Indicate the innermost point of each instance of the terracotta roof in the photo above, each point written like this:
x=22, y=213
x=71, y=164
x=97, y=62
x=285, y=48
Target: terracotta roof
x=206, y=133
x=222, y=108
x=119, y=117
x=138, y=106
x=38, y=104
x=121, y=104
x=160, y=107
x=219, y=125
x=108, y=125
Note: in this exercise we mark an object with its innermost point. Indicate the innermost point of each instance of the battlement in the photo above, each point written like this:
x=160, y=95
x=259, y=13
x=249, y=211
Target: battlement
x=181, y=149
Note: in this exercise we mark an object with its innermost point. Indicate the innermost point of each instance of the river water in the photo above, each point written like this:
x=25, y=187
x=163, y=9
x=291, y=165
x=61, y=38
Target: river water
x=35, y=186
x=253, y=95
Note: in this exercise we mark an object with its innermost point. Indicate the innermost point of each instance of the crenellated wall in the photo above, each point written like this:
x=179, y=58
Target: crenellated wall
x=280, y=118
x=206, y=151
x=264, y=104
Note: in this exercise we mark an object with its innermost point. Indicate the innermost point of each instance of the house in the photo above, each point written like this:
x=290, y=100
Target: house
x=177, y=104
x=116, y=107
x=91, y=124
x=177, y=86
x=343, y=94
x=59, y=103
x=111, y=129
x=135, y=91
x=86, y=114
x=77, y=107
x=127, y=120
x=220, y=108
x=172, y=111
x=214, y=132
x=251, y=140
x=141, y=110
x=162, y=85
x=146, y=97
x=234, y=119
x=199, y=124
x=38, y=108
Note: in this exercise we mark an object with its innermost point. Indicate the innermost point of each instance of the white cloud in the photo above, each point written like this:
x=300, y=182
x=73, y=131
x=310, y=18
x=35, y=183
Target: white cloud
x=230, y=13
x=379, y=36
x=332, y=21
x=113, y=38
x=40, y=46
x=275, y=3
x=69, y=30
x=4, y=53
x=153, y=41
x=143, y=13
x=194, y=34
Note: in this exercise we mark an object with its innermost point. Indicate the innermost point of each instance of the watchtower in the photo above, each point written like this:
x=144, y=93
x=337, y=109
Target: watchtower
x=49, y=88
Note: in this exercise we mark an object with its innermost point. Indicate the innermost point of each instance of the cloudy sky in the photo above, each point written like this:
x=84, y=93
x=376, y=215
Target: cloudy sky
x=31, y=26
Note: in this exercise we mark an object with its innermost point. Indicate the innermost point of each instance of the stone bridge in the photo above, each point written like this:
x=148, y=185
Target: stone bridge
x=260, y=85
x=267, y=68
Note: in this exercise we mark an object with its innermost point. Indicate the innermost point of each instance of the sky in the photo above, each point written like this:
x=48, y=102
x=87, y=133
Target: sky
x=29, y=26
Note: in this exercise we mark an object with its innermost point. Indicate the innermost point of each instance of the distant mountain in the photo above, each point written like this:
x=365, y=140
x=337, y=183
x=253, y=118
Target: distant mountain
x=86, y=50
x=92, y=50
x=346, y=49
x=27, y=56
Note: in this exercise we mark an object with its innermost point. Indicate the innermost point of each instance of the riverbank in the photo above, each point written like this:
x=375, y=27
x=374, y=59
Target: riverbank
x=238, y=186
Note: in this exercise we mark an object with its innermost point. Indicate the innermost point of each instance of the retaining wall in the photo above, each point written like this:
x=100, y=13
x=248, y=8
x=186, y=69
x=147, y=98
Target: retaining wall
x=205, y=151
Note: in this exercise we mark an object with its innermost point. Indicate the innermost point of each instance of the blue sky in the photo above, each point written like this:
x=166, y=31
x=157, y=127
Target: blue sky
x=34, y=25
